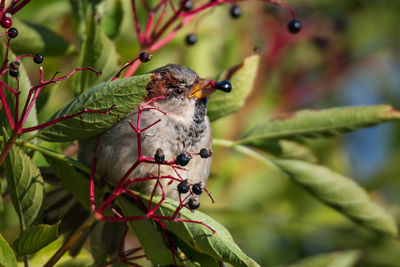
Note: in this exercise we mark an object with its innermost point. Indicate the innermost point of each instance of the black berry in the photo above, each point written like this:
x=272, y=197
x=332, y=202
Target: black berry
x=188, y=6
x=159, y=157
x=191, y=39
x=6, y=21
x=236, y=11
x=14, y=68
x=194, y=203
x=294, y=26
x=183, y=187
x=196, y=188
x=145, y=57
x=225, y=86
x=183, y=159
x=38, y=58
x=13, y=73
x=12, y=33
x=204, y=153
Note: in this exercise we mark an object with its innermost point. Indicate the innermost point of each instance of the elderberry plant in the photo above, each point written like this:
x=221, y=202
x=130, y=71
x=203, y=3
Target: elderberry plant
x=59, y=204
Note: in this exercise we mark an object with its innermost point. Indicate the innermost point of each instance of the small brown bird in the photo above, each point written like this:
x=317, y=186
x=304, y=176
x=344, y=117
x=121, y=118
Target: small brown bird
x=184, y=128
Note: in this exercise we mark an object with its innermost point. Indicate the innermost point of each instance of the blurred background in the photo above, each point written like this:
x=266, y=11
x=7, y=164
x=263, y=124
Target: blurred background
x=346, y=54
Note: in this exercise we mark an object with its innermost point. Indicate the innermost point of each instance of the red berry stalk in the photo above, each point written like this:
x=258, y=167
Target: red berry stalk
x=161, y=29
x=15, y=118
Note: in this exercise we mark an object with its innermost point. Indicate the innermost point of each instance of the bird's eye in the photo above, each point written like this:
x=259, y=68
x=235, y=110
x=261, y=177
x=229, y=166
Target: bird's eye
x=179, y=91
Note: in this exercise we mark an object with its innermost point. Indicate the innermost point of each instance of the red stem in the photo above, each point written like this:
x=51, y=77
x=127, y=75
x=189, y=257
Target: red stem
x=171, y=35
x=161, y=17
x=118, y=189
x=137, y=24
x=92, y=176
x=161, y=4
x=170, y=21
x=29, y=105
x=132, y=69
x=63, y=118
x=154, y=191
x=205, y=6
x=6, y=108
x=129, y=63
x=23, y=56
x=16, y=108
x=8, y=87
x=2, y=8
x=8, y=146
x=14, y=9
x=149, y=24
x=7, y=52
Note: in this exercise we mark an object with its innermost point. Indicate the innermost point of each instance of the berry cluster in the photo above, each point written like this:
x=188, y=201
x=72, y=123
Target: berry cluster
x=184, y=187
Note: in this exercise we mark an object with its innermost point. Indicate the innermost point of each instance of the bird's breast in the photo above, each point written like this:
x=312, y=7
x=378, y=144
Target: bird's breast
x=190, y=136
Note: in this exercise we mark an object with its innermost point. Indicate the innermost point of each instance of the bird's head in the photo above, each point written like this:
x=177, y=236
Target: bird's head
x=182, y=87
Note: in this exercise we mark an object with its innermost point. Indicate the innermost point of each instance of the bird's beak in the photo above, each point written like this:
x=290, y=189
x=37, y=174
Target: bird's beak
x=202, y=88
x=205, y=87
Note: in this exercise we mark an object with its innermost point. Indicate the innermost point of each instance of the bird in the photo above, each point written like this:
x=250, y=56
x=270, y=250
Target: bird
x=183, y=127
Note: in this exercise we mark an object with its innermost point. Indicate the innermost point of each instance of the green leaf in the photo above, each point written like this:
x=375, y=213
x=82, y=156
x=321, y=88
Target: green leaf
x=148, y=235
x=126, y=93
x=320, y=123
x=335, y=259
x=24, y=85
x=198, y=237
x=341, y=193
x=25, y=184
x=286, y=149
x=73, y=181
x=112, y=20
x=98, y=52
x=82, y=12
x=7, y=256
x=33, y=38
x=200, y=258
x=242, y=77
x=35, y=238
